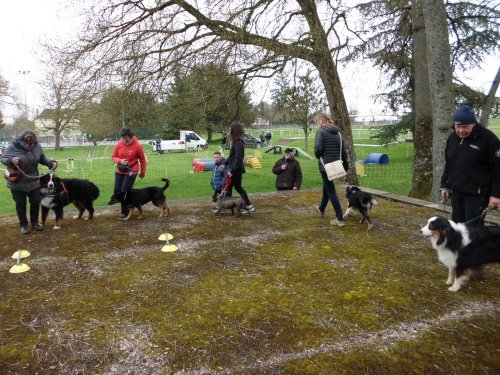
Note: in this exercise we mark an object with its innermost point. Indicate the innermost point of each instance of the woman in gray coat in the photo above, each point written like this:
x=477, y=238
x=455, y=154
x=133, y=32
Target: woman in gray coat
x=329, y=147
x=25, y=153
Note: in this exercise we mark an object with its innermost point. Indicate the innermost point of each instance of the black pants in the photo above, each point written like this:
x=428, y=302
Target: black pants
x=124, y=183
x=236, y=183
x=330, y=194
x=467, y=207
x=21, y=197
x=215, y=195
x=284, y=188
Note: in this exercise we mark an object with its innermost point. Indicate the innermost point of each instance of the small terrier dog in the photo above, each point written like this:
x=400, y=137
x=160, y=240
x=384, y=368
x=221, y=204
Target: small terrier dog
x=232, y=203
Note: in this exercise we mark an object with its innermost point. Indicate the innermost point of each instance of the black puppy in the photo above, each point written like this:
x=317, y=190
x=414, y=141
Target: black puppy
x=360, y=201
x=139, y=197
x=59, y=192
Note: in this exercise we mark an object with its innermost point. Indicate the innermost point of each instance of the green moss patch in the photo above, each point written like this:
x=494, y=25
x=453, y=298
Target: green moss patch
x=280, y=291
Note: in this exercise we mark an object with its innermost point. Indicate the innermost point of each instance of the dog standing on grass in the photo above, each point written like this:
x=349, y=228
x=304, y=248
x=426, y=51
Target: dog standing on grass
x=359, y=201
x=136, y=198
x=462, y=247
x=230, y=203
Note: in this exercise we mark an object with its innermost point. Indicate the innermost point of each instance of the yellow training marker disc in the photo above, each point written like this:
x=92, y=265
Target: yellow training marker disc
x=21, y=254
x=19, y=268
x=165, y=237
x=169, y=248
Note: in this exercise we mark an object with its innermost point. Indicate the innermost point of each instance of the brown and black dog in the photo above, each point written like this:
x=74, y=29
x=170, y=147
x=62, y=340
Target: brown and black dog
x=136, y=198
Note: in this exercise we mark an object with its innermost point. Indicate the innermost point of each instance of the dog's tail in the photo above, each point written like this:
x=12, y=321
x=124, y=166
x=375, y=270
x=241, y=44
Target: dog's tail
x=367, y=201
x=167, y=184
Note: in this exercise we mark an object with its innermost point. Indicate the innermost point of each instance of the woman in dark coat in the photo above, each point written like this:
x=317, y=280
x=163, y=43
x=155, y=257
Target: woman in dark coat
x=234, y=163
x=25, y=153
x=328, y=147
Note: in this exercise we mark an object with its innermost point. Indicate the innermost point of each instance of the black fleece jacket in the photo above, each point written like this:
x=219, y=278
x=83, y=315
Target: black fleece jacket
x=472, y=164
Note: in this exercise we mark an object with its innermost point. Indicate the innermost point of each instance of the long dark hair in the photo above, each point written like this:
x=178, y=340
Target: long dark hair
x=236, y=132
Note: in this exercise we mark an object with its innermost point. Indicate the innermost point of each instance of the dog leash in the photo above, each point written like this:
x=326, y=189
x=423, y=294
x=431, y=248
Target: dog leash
x=481, y=216
x=51, y=170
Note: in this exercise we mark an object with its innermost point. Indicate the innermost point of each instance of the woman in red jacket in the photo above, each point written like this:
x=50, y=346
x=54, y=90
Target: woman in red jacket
x=130, y=160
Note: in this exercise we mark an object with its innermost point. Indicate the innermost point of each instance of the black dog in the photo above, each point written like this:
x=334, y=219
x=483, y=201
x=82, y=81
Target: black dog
x=461, y=247
x=139, y=197
x=59, y=192
x=360, y=201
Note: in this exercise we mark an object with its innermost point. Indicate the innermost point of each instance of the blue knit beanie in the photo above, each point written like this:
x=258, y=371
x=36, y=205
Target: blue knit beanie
x=464, y=116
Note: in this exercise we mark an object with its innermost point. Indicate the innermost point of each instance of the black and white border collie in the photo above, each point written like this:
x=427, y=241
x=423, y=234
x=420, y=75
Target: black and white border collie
x=359, y=201
x=59, y=192
x=461, y=247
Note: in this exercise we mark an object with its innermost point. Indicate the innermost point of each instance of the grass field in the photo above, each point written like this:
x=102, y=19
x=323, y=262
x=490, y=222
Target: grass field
x=94, y=163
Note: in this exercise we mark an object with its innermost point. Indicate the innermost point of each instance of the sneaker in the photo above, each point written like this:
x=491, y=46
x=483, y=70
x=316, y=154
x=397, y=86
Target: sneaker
x=37, y=227
x=340, y=223
x=216, y=210
x=25, y=230
x=320, y=213
x=249, y=208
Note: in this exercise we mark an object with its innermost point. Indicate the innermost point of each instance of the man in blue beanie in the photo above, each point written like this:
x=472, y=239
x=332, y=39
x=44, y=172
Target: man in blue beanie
x=471, y=175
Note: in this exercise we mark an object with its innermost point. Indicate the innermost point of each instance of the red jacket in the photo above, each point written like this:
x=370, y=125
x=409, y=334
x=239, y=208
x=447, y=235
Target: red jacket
x=134, y=153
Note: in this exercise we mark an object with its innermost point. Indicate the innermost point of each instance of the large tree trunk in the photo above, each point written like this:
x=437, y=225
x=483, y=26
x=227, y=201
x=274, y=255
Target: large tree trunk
x=490, y=100
x=422, y=138
x=438, y=57
x=338, y=108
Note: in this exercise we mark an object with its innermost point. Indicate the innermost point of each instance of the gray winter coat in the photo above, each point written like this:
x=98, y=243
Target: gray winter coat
x=29, y=160
x=327, y=146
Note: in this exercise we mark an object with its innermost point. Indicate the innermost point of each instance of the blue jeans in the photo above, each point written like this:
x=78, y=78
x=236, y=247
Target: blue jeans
x=329, y=194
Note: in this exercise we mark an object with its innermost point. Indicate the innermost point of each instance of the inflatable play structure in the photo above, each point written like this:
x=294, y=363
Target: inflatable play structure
x=253, y=162
x=207, y=165
x=203, y=165
x=376, y=158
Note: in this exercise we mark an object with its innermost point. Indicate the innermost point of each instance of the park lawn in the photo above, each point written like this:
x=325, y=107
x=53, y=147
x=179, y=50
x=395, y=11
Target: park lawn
x=94, y=163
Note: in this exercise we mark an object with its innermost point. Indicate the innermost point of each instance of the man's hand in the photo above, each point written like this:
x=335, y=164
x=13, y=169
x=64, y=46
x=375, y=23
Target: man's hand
x=445, y=193
x=141, y=176
x=15, y=160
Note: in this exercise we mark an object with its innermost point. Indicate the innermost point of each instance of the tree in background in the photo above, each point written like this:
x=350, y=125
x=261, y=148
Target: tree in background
x=398, y=46
x=207, y=99
x=65, y=94
x=4, y=89
x=299, y=101
x=117, y=108
x=149, y=40
x=440, y=73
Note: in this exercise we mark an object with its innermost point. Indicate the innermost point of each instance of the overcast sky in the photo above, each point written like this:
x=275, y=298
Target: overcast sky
x=25, y=23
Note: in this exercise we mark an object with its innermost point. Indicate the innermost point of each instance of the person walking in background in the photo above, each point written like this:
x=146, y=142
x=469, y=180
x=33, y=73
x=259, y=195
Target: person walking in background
x=218, y=175
x=268, y=138
x=288, y=172
x=234, y=163
x=471, y=175
x=24, y=154
x=328, y=147
x=262, y=138
x=128, y=154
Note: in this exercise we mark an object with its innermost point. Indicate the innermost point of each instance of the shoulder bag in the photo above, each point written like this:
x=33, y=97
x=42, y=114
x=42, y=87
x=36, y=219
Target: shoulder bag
x=335, y=169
